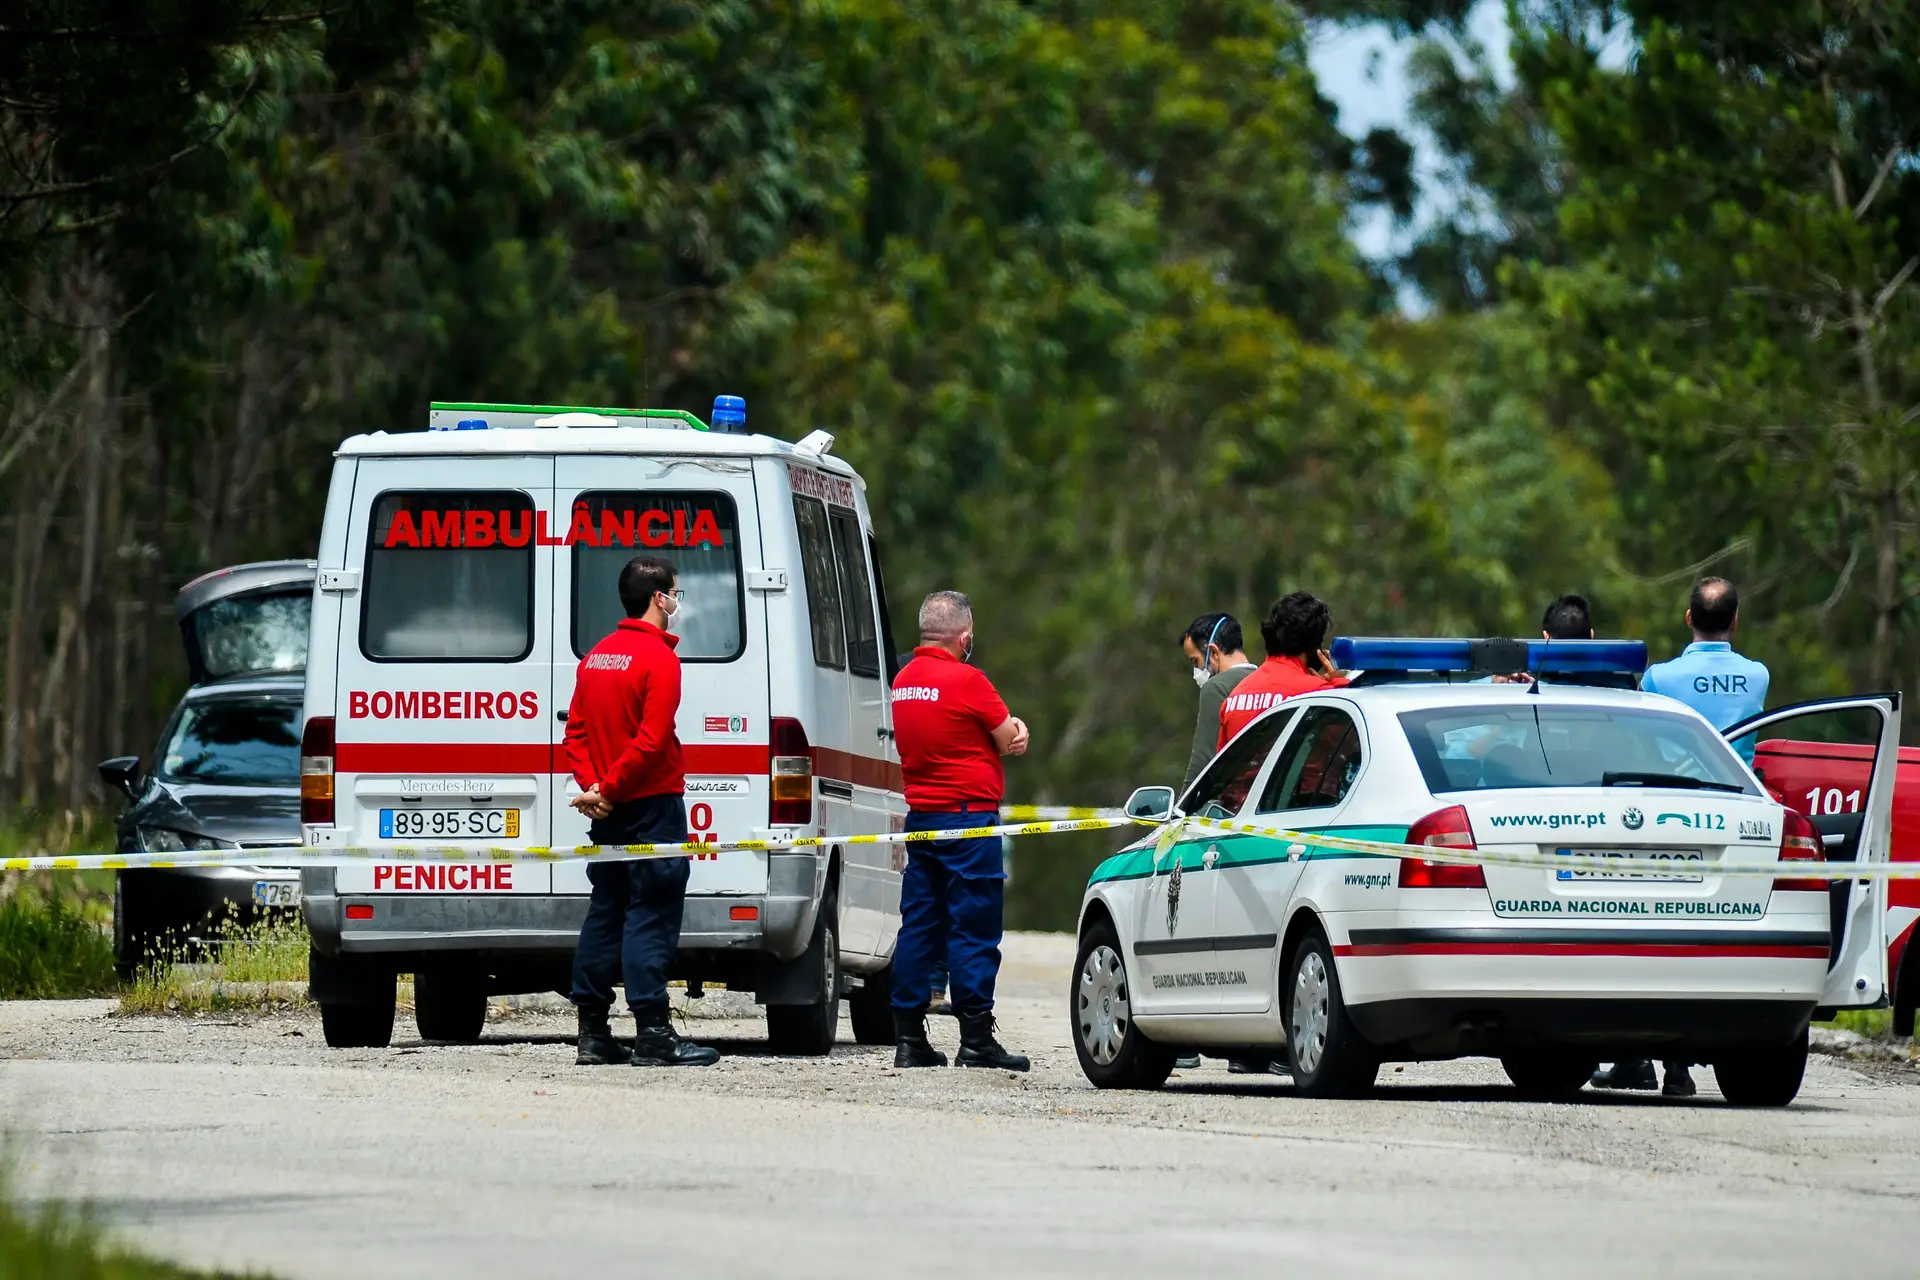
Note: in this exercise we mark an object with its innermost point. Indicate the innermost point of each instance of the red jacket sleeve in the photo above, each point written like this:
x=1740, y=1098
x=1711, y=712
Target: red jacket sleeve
x=574, y=745
x=988, y=706
x=657, y=690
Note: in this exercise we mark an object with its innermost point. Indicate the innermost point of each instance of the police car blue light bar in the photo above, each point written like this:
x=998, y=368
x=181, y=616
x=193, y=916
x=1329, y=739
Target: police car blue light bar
x=1392, y=653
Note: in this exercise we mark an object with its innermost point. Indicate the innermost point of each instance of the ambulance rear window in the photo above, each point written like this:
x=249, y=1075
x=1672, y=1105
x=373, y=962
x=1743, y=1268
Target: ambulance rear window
x=698, y=532
x=449, y=577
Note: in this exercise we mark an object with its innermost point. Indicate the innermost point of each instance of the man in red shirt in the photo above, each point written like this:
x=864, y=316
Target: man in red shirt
x=951, y=728
x=625, y=754
x=1294, y=629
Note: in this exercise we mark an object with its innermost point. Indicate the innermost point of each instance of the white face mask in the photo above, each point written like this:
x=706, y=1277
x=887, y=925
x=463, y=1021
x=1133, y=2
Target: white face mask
x=1201, y=675
x=670, y=609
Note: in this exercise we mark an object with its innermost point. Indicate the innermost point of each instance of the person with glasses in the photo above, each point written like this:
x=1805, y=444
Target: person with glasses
x=624, y=752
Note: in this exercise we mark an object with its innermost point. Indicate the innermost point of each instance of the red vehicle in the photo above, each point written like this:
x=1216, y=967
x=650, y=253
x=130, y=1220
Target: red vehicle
x=1843, y=770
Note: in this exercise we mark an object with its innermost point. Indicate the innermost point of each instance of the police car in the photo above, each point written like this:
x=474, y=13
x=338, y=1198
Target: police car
x=464, y=570
x=1336, y=961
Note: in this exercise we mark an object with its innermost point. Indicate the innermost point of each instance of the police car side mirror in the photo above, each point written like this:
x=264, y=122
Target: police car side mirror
x=121, y=771
x=1151, y=804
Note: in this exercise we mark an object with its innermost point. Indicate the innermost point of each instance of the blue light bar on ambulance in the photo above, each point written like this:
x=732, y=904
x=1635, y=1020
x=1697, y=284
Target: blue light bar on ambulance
x=1391, y=653
x=729, y=414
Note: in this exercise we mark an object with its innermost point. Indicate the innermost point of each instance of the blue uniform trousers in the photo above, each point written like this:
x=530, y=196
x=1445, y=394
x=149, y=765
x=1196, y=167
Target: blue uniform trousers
x=952, y=894
x=632, y=927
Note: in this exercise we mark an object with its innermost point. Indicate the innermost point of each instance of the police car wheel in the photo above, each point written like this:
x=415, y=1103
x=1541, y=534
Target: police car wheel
x=1114, y=1053
x=1331, y=1059
x=449, y=1006
x=809, y=1030
x=870, y=1009
x=1768, y=1076
x=1545, y=1076
x=357, y=1026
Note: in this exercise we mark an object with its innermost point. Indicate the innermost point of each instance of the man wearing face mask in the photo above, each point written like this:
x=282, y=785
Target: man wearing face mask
x=951, y=729
x=624, y=752
x=1213, y=645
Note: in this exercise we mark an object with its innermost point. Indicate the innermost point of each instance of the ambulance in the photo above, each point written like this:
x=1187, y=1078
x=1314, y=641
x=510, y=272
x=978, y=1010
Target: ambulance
x=463, y=572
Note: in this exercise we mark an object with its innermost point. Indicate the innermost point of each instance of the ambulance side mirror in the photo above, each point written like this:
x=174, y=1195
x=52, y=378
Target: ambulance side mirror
x=1151, y=804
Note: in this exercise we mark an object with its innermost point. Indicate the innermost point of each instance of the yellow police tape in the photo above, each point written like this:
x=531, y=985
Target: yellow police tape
x=1300, y=843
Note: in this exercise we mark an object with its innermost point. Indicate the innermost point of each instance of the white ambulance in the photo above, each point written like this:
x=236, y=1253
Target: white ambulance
x=463, y=571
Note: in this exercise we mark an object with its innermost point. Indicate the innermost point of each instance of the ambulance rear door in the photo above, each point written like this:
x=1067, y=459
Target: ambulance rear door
x=700, y=513
x=442, y=709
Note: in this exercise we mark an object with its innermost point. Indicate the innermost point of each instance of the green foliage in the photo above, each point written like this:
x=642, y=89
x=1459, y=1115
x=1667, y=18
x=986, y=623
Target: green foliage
x=57, y=1242
x=50, y=950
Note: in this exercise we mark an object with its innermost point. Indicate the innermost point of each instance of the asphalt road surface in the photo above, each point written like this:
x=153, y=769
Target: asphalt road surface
x=246, y=1143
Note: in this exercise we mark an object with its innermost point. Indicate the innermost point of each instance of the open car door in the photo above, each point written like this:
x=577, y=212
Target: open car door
x=1834, y=761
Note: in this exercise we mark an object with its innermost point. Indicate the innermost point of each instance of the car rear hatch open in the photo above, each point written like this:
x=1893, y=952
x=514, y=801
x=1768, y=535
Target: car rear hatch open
x=250, y=619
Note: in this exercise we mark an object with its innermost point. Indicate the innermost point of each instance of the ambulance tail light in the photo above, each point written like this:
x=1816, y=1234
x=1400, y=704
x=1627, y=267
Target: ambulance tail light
x=1444, y=829
x=316, y=772
x=1800, y=842
x=792, y=772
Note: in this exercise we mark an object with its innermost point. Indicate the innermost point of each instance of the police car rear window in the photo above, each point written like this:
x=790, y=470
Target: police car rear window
x=1507, y=748
x=449, y=577
x=698, y=532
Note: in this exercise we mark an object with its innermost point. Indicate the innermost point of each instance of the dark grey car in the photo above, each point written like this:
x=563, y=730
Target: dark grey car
x=226, y=770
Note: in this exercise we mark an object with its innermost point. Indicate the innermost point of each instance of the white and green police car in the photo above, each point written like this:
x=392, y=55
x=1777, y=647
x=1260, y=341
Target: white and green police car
x=1335, y=961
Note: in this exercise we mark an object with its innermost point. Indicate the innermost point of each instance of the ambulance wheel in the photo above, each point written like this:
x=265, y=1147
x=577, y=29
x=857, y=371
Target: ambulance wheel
x=1545, y=1077
x=1114, y=1053
x=1764, y=1077
x=1331, y=1059
x=357, y=1026
x=809, y=1030
x=870, y=1009
x=448, y=1005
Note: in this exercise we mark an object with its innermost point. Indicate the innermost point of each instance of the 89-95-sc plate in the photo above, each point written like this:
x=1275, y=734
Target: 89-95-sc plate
x=450, y=824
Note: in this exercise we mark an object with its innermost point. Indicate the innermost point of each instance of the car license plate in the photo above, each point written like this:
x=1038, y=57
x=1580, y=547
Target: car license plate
x=276, y=893
x=1680, y=857
x=450, y=824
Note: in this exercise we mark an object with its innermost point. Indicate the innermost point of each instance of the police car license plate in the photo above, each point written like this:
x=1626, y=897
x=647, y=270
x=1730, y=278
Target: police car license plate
x=276, y=893
x=451, y=824
x=1680, y=857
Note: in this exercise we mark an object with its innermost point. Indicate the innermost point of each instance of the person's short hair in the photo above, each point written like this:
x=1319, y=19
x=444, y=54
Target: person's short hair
x=945, y=615
x=1219, y=629
x=1295, y=624
x=1714, y=604
x=643, y=576
x=1568, y=618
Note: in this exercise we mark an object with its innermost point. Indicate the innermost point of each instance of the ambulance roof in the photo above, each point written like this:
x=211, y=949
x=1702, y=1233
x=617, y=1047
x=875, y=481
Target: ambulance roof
x=510, y=430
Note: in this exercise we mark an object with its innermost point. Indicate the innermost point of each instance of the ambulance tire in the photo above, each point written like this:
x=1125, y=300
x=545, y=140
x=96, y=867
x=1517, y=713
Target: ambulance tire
x=809, y=1030
x=449, y=1006
x=1764, y=1077
x=1331, y=1059
x=1100, y=988
x=357, y=1026
x=1548, y=1077
x=870, y=1009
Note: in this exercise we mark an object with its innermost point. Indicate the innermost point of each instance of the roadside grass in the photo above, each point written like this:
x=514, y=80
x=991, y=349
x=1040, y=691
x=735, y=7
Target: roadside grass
x=50, y=949
x=257, y=968
x=59, y=1242
x=1874, y=1024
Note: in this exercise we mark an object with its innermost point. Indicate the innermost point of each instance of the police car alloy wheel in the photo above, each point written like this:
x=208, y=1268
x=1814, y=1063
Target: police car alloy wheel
x=1330, y=1057
x=1113, y=1052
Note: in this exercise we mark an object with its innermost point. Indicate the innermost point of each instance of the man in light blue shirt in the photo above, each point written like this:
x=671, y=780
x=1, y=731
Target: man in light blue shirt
x=1726, y=688
x=1709, y=676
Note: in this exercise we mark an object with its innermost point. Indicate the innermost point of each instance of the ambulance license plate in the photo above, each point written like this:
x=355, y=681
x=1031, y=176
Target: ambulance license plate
x=1679, y=857
x=450, y=824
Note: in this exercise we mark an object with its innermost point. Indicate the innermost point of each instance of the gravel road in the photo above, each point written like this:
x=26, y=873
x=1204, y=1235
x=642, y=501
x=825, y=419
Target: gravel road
x=246, y=1143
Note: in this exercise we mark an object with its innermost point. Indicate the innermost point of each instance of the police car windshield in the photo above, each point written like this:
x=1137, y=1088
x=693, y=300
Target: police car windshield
x=252, y=742
x=1502, y=748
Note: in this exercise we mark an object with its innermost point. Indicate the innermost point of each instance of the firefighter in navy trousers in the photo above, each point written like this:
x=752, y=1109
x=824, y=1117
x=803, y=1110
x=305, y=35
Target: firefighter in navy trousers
x=951, y=728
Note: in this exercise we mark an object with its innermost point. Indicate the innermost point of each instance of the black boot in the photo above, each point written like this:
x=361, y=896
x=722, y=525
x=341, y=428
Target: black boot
x=978, y=1048
x=911, y=1048
x=660, y=1045
x=598, y=1048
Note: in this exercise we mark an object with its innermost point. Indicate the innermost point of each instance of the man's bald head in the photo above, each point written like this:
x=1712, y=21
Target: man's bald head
x=946, y=619
x=1713, y=608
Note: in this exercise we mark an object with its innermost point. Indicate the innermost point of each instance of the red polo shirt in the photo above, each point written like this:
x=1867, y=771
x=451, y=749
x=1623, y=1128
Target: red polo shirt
x=1276, y=680
x=944, y=715
x=620, y=727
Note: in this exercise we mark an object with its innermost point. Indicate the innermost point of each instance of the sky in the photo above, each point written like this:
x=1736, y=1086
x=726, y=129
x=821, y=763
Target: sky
x=1363, y=71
